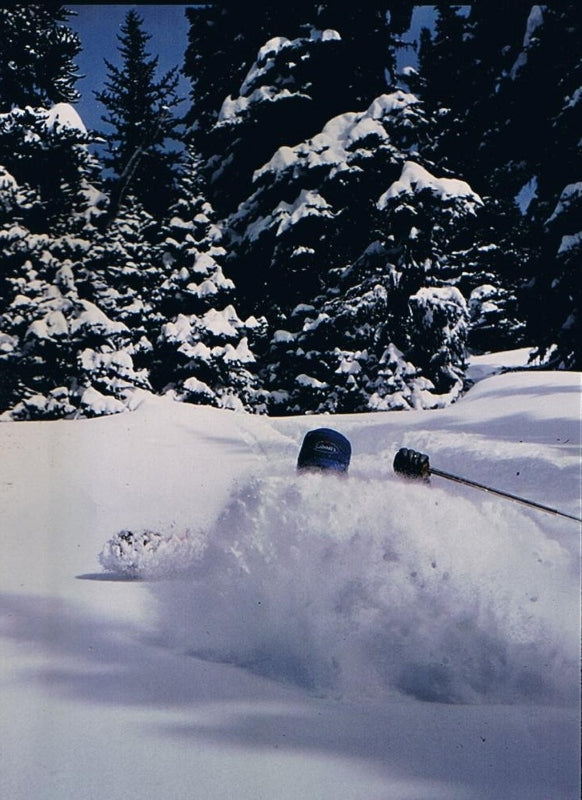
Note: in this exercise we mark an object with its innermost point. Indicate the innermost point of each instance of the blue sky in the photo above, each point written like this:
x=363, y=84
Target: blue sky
x=98, y=26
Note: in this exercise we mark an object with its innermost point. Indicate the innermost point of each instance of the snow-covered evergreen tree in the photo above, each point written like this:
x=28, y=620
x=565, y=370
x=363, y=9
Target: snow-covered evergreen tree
x=545, y=86
x=462, y=63
x=47, y=149
x=203, y=353
x=477, y=64
x=121, y=274
x=316, y=207
x=313, y=207
x=313, y=62
x=37, y=67
x=555, y=293
x=43, y=142
x=358, y=234
x=270, y=108
x=390, y=332
x=61, y=355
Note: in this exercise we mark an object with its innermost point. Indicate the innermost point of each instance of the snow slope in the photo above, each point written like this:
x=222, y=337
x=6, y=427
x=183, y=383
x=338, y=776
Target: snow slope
x=296, y=636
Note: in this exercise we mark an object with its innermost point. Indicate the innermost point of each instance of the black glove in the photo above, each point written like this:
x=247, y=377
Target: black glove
x=412, y=464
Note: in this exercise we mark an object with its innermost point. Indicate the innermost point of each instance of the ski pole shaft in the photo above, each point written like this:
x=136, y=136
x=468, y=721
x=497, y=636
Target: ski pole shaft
x=509, y=496
x=417, y=465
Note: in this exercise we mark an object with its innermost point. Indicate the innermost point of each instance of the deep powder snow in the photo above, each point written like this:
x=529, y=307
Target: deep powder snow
x=362, y=587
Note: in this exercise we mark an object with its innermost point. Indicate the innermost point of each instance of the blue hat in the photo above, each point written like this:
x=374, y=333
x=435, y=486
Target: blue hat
x=325, y=448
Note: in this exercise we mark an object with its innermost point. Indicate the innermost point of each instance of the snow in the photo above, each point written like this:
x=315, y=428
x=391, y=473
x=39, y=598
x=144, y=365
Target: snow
x=489, y=364
x=183, y=329
x=389, y=103
x=310, y=382
x=569, y=198
x=120, y=362
x=222, y=323
x=53, y=325
x=93, y=319
x=283, y=337
x=242, y=353
x=527, y=194
x=534, y=21
x=63, y=115
x=233, y=111
x=336, y=145
x=570, y=242
x=206, y=289
x=294, y=636
x=274, y=47
x=441, y=296
x=575, y=99
x=204, y=264
x=415, y=178
x=308, y=203
x=101, y=404
x=196, y=386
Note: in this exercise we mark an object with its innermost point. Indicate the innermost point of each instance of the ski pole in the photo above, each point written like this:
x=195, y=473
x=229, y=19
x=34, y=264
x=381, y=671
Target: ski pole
x=417, y=465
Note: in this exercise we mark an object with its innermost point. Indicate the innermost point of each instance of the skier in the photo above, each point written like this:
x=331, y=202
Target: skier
x=324, y=449
x=327, y=449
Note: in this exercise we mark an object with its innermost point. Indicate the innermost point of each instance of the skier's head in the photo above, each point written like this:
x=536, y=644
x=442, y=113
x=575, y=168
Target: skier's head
x=324, y=448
